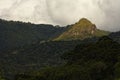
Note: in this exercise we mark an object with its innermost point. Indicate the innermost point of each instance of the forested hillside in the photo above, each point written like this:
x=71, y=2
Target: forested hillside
x=94, y=61
x=37, y=56
x=18, y=34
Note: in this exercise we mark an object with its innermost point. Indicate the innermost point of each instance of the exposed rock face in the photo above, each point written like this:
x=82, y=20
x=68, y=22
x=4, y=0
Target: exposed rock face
x=81, y=30
x=93, y=29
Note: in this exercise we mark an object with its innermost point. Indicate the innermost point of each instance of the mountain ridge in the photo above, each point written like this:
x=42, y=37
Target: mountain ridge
x=15, y=34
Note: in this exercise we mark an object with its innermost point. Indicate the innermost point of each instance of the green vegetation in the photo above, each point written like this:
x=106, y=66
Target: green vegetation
x=1, y=75
x=37, y=56
x=95, y=61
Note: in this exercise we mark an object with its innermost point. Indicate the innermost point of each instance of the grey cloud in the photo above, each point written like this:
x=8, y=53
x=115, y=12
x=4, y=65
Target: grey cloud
x=112, y=10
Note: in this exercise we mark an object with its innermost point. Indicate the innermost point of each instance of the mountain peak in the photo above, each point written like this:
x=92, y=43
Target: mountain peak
x=81, y=30
x=84, y=20
x=84, y=23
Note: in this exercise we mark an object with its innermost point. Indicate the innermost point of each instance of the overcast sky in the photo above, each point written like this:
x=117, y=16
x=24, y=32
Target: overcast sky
x=104, y=13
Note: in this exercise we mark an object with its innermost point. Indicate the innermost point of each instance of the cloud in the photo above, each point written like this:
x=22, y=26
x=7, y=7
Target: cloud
x=104, y=13
x=112, y=10
x=65, y=11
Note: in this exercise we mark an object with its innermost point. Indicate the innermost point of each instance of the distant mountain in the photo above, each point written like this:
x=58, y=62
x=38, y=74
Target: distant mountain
x=18, y=34
x=82, y=30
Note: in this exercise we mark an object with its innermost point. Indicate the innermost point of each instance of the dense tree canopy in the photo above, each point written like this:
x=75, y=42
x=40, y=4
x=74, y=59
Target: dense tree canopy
x=95, y=61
